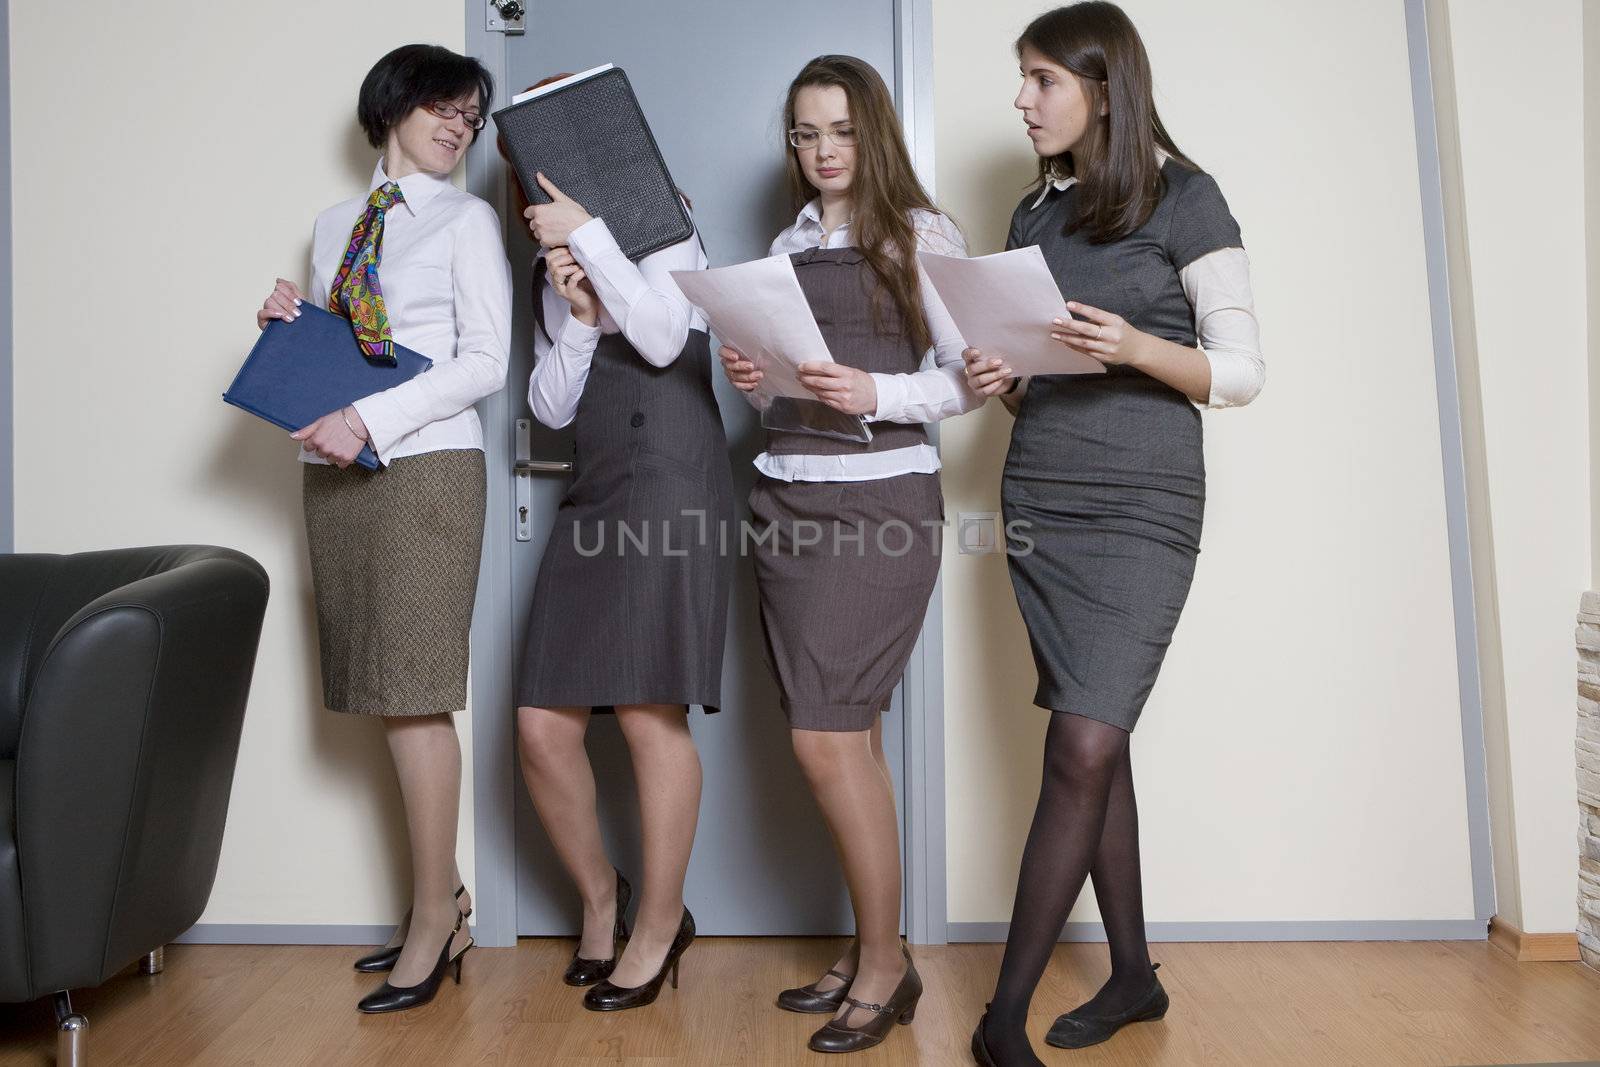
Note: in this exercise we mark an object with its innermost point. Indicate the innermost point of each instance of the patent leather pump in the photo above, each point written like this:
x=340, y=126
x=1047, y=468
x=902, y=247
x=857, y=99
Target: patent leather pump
x=609, y=997
x=388, y=997
x=582, y=971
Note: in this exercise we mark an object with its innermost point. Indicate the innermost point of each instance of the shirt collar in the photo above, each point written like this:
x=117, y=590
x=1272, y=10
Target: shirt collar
x=811, y=217
x=1061, y=185
x=418, y=188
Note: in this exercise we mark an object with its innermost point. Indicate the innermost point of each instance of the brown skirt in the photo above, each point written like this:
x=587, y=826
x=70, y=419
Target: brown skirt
x=844, y=572
x=394, y=562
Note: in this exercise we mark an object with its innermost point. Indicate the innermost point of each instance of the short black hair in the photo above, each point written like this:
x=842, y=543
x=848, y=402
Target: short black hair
x=413, y=76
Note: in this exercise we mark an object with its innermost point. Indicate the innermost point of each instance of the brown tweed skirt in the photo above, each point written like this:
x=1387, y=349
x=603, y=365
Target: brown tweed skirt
x=844, y=583
x=394, y=562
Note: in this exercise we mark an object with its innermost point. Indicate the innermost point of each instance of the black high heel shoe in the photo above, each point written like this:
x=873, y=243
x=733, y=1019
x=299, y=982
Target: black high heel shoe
x=398, y=998
x=583, y=971
x=980, y=1048
x=1076, y=1029
x=608, y=997
x=383, y=959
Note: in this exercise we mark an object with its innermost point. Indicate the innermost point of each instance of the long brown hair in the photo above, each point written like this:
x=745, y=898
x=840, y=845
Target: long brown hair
x=1121, y=183
x=884, y=189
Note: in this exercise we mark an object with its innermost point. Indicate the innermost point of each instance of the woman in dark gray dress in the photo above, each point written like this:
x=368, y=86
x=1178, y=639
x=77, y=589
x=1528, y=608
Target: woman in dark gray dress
x=630, y=607
x=1105, y=481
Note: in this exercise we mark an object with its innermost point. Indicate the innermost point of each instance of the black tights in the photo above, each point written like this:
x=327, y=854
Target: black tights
x=1086, y=824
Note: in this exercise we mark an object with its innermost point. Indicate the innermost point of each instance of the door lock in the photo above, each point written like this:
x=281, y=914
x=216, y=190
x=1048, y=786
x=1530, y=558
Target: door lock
x=507, y=16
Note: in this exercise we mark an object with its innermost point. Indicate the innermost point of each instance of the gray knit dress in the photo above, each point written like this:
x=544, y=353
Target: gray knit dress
x=1104, y=486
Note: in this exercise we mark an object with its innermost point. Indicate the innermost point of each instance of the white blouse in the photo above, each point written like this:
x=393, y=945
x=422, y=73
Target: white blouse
x=928, y=395
x=639, y=301
x=447, y=288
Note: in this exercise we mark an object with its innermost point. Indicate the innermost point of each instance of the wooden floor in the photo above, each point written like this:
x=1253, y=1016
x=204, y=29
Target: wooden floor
x=1289, y=1003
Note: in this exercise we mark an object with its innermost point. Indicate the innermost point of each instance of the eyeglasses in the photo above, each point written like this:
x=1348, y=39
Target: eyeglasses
x=841, y=136
x=450, y=111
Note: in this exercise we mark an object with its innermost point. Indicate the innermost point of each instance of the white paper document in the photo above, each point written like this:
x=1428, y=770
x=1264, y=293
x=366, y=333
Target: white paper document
x=561, y=84
x=1002, y=305
x=760, y=309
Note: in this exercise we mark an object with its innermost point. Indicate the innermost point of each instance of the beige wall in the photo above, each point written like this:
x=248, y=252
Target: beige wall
x=1301, y=757
x=169, y=159
x=1519, y=87
x=1591, y=181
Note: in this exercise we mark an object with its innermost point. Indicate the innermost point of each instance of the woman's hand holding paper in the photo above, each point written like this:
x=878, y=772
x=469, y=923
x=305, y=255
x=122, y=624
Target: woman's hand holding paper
x=740, y=371
x=840, y=387
x=1103, y=336
x=987, y=376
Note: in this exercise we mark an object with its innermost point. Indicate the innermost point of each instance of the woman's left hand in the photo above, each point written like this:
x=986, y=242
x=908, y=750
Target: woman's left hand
x=840, y=387
x=331, y=437
x=1104, y=336
x=552, y=224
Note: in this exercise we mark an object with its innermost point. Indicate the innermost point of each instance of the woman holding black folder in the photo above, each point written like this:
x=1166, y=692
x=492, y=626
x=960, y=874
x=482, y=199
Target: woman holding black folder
x=630, y=607
x=841, y=612
x=1106, y=476
x=394, y=553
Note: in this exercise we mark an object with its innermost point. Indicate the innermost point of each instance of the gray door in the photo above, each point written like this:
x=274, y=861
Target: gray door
x=711, y=78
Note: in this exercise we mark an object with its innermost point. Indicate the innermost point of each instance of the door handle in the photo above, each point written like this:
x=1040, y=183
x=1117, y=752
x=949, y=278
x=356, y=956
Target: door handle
x=525, y=468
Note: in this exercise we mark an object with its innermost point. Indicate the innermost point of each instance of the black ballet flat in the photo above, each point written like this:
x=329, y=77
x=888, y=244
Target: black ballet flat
x=582, y=971
x=1077, y=1029
x=384, y=959
x=980, y=1048
x=608, y=997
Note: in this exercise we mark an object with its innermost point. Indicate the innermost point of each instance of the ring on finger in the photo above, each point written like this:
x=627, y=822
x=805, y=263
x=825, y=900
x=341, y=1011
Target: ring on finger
x=1098, y=330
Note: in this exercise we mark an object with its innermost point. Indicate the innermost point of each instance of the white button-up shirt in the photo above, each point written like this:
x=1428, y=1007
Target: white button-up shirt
x=447, y=288
x=928, y=395
x=639, y=301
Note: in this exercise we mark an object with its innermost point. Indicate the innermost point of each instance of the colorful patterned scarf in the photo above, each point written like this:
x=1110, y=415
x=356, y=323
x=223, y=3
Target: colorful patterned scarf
x=355, y=292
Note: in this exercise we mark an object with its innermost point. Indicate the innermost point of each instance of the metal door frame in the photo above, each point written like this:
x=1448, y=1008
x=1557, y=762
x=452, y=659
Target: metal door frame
x=494, y=778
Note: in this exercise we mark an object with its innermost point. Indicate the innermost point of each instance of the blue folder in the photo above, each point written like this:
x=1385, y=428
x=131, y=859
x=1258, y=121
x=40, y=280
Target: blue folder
x=299, y=371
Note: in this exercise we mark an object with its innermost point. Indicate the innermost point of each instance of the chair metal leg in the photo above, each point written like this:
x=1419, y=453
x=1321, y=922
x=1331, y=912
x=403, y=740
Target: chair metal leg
x=154, y=962
x=71, y=1034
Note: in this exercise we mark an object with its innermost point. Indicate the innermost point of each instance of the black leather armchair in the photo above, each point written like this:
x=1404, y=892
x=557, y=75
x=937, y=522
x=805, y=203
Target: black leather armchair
x=123, y=678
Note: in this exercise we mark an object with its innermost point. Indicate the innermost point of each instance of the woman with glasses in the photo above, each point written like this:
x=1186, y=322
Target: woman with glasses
x=394, y=552
x=1106, y=472
x=630, y=607
x=841, y=613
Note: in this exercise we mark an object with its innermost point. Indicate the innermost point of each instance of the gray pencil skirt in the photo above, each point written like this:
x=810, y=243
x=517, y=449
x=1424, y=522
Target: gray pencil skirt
x=1104, y=497
x=844, y=582
x=394, y=563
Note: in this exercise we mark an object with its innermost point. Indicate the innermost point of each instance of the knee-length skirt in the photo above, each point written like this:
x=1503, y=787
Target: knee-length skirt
x=394, y=565
x=1103, y=497
x=844, y=573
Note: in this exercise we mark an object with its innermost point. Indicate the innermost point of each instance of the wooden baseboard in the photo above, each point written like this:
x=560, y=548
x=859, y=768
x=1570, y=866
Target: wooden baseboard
x=1532, y=948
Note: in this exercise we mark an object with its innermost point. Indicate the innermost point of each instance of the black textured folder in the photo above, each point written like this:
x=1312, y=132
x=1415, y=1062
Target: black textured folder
x=590, y=138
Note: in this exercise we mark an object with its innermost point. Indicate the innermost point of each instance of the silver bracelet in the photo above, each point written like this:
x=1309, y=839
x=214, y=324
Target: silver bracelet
x=352, y=429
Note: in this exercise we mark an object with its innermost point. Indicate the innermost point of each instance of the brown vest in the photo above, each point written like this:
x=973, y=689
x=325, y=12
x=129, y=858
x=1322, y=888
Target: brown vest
x=841, y=289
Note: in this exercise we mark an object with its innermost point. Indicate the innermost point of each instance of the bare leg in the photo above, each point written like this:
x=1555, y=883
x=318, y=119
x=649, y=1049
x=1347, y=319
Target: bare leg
x=667, y=769
x=850, y=958
x=427, y=759
x=857, y=801
x=555, y=766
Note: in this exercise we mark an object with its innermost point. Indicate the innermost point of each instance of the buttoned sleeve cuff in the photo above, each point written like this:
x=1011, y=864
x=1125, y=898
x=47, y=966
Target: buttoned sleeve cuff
x=891, y=397
x=577, y=337
x=383, y=423
x=591, y=241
